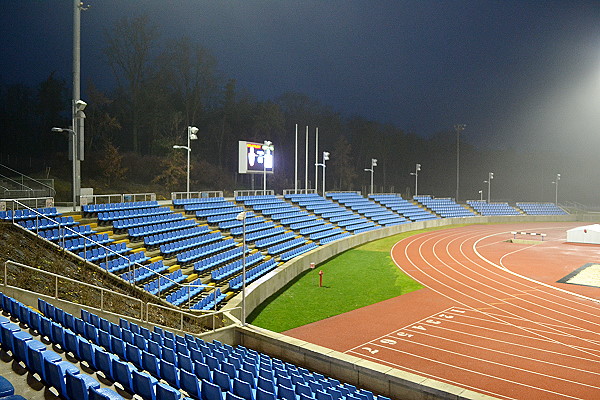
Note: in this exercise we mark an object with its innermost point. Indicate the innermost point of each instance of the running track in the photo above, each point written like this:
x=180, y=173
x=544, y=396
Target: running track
x=492, y=319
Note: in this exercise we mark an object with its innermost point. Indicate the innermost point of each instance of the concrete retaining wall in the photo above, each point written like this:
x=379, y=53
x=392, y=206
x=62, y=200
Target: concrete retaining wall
x=378, y=378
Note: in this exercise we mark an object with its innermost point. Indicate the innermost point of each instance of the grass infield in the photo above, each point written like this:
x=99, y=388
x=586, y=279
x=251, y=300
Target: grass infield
x=356, y=278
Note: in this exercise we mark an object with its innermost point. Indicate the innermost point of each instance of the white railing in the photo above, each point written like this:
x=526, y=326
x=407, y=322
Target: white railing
x=115, y=198
x=258, y=192
x=299, y=191
x=33, y=202
x=109, y=253
x=195, y=195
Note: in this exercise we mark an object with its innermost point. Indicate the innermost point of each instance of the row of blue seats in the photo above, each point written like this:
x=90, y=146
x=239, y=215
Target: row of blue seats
x=143, y=272
x=166, y=282
x=253, y=274
x=88, y=242
x=233, y=268
x=300, y=217
x=96, y=208
x=120, y=263
x=45, y=223
x=215, y=212
x=208, y=206
x=151, y=220
x=264, y=375
x=170, y=236
x=307, y=224
x=138, y=232
x=73, y=231
x=19, y=215
x=186, y=293
x=330, y=239
x=65, y=377
x=364, y=227
x=168, y=249
x=188, y=256
x=271, y=240
x=297, y=251
x=99, y=253
x=325, y=233
x=541, y=209
x=216, y=219
x=110, y=216
x=252, y=228
x=281, y=247
x=210, y=301
x=257, y=199
x=261, y=234
x=208, y=263
x=197, y=200
x=236, y=224
x=216, y=215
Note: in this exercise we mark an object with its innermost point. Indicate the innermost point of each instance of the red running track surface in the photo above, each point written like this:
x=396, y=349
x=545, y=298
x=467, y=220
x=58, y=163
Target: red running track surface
x=492, y=318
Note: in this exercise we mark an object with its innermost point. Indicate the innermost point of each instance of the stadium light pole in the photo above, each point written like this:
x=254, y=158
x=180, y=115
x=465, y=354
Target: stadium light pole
x=556, y=189
x=266, y=147
x=74, y=156
x=481, y=195
x=489, y=182
x=373, y=164
x=458, y=128
x=191, y=135
x=416, y=175
x=325, y=158
x=242, y=217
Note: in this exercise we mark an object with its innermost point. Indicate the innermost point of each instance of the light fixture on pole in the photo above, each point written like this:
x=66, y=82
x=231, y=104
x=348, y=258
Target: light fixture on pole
x=489, y=182
x=242, y=217
x=556, y=189
x=416, y=175
x=73, y=154
x=373, y=164
x=325, y=158
x=191, y=135
x=267, y=159
x=458, y=128
x=481, y=195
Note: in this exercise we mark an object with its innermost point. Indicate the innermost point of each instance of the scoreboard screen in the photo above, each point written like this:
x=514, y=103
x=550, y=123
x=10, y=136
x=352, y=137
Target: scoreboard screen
x=255, y=158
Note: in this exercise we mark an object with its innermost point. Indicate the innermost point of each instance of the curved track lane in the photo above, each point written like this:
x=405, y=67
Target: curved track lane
x=504, y=334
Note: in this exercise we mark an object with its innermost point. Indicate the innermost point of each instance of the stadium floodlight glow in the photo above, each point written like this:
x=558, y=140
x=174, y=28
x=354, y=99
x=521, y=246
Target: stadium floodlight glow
x=489, y=182
x=191, y=135
x=556, y=189
x=416, y=175
x=458, y=128
x=267, y=159
x=74, y=156
x=373, y=164
x=242, y=217
x=325, y=158
x=481, y=195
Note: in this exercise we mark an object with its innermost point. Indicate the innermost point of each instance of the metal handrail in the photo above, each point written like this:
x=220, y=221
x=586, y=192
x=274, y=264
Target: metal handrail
x=196, y=195
x=145, y=313
x=51, y=190
x=108, y=252
x=121, y=198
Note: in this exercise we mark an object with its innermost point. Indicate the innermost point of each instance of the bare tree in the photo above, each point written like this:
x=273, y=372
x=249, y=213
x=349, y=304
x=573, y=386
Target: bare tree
x=129, y=53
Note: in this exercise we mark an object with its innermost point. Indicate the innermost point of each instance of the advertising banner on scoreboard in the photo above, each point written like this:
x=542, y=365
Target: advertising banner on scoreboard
x=255, y=158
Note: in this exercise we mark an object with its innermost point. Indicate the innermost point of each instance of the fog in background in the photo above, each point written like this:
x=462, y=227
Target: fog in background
x=523, y=75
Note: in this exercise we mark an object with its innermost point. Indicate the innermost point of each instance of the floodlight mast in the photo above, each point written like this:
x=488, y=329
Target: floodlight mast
x=242, y=217
x=489, y=182
x=325, y=158
x=458, y=128
x=416, y=175
x=556, y=189
x=75, y=160
x=373, y=164
x=191, y=135
x=266, y=147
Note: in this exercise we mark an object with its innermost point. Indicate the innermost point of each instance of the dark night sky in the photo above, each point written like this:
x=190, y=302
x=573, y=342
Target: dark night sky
x=518, y=73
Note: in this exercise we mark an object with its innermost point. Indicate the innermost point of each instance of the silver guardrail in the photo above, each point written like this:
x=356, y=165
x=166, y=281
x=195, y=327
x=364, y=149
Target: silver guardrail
x=34, y=280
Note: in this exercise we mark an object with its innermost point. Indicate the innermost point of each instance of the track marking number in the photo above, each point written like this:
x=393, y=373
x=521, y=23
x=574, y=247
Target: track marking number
x=404, y=334
x=446, y=316
x=419, y=327
x=388, y=341
x=433, y=321
x=370, y=350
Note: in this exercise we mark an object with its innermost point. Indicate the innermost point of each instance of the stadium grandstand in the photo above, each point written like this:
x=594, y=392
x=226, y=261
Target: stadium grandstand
x=169, y=322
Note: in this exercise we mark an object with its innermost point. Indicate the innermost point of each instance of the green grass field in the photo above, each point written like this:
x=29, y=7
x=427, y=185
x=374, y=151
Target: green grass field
x=356, y=278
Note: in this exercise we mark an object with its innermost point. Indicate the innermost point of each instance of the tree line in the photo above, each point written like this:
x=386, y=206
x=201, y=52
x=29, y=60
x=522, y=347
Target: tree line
x=162, y=87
